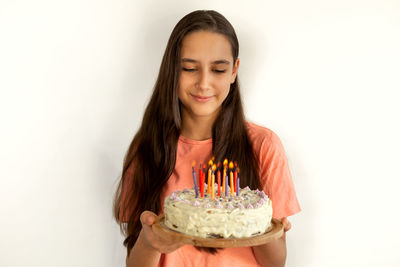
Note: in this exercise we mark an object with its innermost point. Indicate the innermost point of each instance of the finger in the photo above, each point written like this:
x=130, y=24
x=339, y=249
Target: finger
x=286, y=224
x=147, y=218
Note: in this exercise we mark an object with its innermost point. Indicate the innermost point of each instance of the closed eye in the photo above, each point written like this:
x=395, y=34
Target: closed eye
x=219, y=71
x=190, y=70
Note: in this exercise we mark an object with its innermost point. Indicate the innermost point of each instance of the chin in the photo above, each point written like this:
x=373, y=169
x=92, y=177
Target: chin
x=204, y=113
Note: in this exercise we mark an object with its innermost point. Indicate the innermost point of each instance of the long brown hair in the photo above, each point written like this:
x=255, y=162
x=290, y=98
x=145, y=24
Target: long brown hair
x=153, y=149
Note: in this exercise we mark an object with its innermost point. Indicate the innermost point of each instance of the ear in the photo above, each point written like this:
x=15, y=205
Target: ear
x=235, y=70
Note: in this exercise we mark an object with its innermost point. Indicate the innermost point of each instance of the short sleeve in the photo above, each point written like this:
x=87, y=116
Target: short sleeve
x=276, y=178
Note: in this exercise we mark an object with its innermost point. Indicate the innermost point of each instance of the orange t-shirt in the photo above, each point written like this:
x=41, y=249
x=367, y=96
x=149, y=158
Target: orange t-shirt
x=275, y=178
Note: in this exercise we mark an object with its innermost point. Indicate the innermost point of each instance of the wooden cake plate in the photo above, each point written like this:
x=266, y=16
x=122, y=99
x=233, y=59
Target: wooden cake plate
x=273, y=232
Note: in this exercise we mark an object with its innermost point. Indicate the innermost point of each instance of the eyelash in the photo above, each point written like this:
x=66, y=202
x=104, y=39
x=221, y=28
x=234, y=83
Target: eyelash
x=192, y=70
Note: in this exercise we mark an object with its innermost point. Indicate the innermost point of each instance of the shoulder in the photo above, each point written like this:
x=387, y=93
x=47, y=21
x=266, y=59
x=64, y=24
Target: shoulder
x=257, y=131
x=262, y=138
x=259, y=134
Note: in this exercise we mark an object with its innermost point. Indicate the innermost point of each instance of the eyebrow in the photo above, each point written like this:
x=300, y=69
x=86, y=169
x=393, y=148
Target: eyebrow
x=220, y=61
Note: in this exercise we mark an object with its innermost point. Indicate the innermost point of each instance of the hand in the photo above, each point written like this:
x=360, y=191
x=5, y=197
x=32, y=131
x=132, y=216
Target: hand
x=152, y=240
x=286, y=224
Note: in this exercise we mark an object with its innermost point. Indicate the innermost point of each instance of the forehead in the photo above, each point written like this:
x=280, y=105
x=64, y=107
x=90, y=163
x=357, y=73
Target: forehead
x=205, y=46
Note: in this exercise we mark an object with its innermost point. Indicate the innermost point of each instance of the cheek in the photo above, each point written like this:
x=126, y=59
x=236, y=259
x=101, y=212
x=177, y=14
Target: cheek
x=183, y=82
x=224, y=87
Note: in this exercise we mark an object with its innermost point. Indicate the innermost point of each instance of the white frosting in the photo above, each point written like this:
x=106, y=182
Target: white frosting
x=244, y=216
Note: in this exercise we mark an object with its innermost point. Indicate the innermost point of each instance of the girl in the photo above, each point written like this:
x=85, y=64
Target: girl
x=195, y=113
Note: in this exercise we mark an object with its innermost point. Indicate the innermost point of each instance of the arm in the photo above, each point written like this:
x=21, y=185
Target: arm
x=148, y=247
x=142, y=254
x=273, y=254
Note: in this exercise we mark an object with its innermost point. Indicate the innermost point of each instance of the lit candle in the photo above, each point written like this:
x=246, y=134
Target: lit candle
x=214, y=167
x=204, y=181
x=238, y=181
x=226, y=185
x=224, y=175
x=235, y=176
x=219, y=179
x=204, y=176
x=195, y=181
x=201, y=182
x=210, y=163
x=231, y=177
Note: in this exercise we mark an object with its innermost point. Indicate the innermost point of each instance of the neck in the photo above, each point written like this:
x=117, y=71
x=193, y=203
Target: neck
x=197, y=127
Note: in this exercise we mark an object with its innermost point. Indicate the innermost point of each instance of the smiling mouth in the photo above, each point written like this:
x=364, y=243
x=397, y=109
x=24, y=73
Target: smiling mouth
x=201, y=98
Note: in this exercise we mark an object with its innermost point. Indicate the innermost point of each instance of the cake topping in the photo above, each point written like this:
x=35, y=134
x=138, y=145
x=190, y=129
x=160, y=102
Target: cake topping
x=249, y=206
x=257, y=204
x=174, y=197
x=218, y=205
x=207, y=205
x=229, y=206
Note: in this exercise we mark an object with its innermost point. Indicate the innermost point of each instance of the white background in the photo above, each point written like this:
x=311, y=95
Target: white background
x=76, y=75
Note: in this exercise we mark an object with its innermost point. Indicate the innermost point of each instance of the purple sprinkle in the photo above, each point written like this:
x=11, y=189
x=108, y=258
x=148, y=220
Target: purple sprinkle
x=218, y=205
x=257, y=205
x=207, y=205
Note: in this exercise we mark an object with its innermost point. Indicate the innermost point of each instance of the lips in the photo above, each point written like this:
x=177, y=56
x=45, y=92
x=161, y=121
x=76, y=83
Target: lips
x=201, y=99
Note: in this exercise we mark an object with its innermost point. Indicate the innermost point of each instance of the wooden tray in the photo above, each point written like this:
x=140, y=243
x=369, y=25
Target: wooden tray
x=273, y=232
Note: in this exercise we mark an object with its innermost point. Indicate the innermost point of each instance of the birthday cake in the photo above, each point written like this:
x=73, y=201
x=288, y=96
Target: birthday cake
x=241, y=215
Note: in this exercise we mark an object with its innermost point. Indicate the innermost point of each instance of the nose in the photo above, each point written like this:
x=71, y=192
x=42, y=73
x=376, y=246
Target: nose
x=204, y=80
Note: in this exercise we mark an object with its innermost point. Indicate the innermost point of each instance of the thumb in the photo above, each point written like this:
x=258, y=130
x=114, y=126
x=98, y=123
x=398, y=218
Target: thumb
x=286, y=224
x=147, y=217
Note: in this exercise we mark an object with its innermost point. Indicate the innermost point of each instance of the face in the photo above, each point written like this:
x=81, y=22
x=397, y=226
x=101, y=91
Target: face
x=207, y=70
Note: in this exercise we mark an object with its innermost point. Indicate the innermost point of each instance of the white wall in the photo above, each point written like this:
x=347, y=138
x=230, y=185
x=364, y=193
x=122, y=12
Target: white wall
x=76, y=75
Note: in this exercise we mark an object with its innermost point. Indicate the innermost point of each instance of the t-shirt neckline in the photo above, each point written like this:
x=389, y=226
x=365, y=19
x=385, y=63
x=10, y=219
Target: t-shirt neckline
x=194, y=142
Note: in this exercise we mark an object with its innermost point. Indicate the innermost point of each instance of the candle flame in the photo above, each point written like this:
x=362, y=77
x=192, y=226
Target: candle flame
x=214, y=167
x=204, y=166
x=236, y=164
x=219, y=164
x=193, y=163
x=210, y=163
x=225, y=162
x=231, y=165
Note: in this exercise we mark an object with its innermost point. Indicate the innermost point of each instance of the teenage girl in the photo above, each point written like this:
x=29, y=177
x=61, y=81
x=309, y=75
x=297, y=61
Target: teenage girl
x=195, y=113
